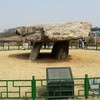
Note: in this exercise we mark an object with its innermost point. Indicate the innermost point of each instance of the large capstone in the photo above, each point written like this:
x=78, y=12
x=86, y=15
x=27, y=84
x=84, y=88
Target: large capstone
x=55, y=32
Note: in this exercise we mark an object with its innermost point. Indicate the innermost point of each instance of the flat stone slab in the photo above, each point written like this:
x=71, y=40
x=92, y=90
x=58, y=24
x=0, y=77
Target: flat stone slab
x=54, y=32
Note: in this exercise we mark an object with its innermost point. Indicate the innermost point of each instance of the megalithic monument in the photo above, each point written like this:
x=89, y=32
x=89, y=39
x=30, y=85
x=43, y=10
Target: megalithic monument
x=58, y=33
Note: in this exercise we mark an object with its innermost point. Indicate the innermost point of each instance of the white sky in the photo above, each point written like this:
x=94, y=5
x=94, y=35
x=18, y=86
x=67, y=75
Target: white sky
x=15, y=13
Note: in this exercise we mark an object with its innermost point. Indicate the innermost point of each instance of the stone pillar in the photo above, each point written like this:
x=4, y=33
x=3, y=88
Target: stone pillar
x=35, y=49
x=60, y=50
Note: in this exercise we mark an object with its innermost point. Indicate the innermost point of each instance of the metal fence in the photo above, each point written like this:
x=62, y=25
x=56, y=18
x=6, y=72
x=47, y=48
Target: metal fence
x=21, y=47
x=15, y=89
x=13, y=47
x=87, y=47
x=39, y=88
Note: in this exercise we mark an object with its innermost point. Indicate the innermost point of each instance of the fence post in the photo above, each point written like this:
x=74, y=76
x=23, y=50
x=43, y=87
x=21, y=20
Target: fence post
x=3, y=46
x=96, y=46
x=8, y=47
x=18, y=47
x=86, y=86
x=28, y=45
x=33, y=88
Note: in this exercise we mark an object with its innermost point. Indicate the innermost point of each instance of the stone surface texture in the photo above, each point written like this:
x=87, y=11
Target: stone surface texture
x=54, y=32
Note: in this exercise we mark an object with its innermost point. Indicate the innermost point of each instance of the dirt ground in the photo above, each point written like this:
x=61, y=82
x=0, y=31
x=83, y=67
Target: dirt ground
x=16, y=64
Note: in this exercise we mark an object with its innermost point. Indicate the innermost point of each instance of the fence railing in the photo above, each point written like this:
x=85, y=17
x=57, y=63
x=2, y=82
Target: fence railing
x=13, y=47
x=15, y=89
x=19, y=47
x=48, y=89
x=87, y=47
x=74, y=46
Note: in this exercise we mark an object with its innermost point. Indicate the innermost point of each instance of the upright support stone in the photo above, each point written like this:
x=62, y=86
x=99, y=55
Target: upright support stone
x=60, y=50
x=35, y=49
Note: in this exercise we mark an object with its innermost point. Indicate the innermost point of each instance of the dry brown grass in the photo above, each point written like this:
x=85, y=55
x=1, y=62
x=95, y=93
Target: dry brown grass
x=16, y=64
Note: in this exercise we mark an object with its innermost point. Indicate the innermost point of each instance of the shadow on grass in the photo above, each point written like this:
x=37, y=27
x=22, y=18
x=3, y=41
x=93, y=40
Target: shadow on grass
x=42, y=58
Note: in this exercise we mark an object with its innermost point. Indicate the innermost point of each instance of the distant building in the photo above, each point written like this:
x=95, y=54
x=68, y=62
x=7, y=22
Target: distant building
x=95, y=32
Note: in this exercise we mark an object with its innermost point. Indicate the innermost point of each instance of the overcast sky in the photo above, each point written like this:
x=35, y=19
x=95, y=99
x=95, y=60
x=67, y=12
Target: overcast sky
x=15, y=13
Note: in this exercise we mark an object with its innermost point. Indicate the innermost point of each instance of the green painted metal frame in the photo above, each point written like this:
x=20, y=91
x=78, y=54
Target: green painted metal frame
x=44, y=80
x=9, y=88
x=6, y=85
